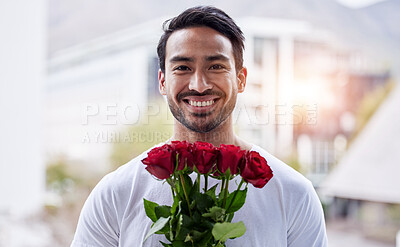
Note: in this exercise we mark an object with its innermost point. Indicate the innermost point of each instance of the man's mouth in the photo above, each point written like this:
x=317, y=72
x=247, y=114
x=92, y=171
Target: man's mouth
x=200, y=103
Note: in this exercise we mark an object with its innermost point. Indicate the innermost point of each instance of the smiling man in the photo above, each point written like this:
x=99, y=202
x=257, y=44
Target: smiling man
x=201, y=83
x=201, y=73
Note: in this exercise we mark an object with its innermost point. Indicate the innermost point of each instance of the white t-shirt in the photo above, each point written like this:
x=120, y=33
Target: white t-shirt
x=286, y=212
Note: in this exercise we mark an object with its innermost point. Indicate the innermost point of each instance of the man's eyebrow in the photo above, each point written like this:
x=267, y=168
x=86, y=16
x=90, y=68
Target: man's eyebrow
x=217, y=57
x=181, y=59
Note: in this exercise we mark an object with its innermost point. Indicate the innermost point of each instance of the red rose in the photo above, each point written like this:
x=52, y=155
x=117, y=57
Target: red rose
x=230, y=157
x=185, y=154
x=205, y=155
x=256, y=170
x=160, y=162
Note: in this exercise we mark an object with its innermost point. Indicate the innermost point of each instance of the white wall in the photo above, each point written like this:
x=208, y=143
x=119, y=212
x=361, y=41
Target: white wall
x=22, y=67
x=88, y=104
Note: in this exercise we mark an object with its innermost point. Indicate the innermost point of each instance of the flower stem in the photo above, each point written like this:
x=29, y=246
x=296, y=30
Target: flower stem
x=234, y=195
x=226, y=191
x=205, y=183
x=222, y=185
x=173, y=186
x=198, y=182
x=169, y=181
x=186, y=196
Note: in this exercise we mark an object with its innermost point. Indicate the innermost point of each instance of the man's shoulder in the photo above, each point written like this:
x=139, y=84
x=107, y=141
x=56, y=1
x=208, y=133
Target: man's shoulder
x=285, y=177
x=128, y=171
x=124, y=176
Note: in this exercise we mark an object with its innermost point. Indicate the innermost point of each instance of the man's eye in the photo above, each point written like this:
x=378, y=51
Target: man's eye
x=182, y=68
x=216, y=66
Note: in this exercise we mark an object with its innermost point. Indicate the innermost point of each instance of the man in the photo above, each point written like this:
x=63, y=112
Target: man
x=201, y=73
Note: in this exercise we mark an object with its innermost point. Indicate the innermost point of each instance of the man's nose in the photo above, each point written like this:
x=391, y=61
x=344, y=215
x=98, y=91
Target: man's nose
x=199, y=82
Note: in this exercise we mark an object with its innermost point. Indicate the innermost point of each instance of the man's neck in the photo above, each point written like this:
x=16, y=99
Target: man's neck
x=223, y=134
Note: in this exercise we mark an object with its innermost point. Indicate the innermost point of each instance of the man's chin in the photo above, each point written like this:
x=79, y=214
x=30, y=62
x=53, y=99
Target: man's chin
x=200, y=122
x=201, y=130
x=201, y=115
x=200, y=127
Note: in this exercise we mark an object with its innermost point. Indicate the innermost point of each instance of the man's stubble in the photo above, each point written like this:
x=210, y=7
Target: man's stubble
x=205, y=121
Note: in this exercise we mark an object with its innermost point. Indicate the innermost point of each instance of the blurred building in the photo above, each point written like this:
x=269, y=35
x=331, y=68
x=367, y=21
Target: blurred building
x=22, y=78
x=98, y=87
x=304, y=89
x=365, y=185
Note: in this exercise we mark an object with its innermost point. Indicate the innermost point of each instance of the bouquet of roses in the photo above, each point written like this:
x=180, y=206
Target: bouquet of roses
x=202, y=217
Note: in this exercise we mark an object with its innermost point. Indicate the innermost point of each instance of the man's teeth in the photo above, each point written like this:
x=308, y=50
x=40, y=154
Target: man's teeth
x=201, y=103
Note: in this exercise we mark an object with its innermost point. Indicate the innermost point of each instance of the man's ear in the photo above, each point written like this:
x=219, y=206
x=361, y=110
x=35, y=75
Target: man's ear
x=161, y=82
x=241, y=79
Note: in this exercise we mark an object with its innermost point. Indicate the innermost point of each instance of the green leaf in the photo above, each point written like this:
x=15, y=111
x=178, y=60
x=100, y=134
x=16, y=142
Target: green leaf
x=224, y=231
x=149, y=208
x=174, y=217
x=174, y=228
x=179, y=244
x=186, y=224
x=196, y=217
x=175, y=205
x=179, y=224
x=171, y=235
x=166, y=245
x=162, y=211
x=198, y=236
x=195, y=188
x=187, y=183
x=203, y=202
x=188, y=238
x=215, y=213
x=192, y=205
x=206, y=224
x=228, y=174
x=220, y=198
x=205, y=239
x=158, y=225
x=211, y=192
x=165, y=230
x=237, y=203
x=230, y=217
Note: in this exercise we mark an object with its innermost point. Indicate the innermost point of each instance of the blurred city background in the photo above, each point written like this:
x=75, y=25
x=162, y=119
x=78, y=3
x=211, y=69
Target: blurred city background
x=79, y=97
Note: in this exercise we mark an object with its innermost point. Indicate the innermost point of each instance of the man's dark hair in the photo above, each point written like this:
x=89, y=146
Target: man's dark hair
x=206, y=16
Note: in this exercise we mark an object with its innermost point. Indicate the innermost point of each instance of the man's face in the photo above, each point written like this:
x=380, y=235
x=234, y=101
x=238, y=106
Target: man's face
x=200, y=80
